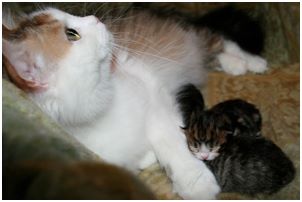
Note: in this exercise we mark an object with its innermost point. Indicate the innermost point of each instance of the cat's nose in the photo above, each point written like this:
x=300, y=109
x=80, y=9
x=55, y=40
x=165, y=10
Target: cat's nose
x=92, y=19
x=204, y=156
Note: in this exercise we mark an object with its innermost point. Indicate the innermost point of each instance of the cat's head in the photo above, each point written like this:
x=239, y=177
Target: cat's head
x=59, y=56
x=205, y=137
x=245, y=118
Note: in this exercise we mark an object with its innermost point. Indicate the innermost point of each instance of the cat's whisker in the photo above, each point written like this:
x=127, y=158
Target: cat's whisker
x=106, y=14
x=159, y=52
x=39, y=6
x=114, y=22
x=84, y=9
x=126, y=42
x=140, y=53
x=136, y=35
x=121, y=9
x=99, y=8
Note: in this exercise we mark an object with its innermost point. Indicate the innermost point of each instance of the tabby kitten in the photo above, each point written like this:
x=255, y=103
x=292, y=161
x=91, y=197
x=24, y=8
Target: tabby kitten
x=233, y=118
x=241, y=117
x=228, y=137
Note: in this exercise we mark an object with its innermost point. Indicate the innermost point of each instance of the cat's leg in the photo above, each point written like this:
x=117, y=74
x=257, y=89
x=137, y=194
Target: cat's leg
x=232, y=64
x=235, y=61
x=190, y=177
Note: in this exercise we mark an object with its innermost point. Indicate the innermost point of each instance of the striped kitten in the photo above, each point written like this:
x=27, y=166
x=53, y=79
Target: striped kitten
x=227, y=138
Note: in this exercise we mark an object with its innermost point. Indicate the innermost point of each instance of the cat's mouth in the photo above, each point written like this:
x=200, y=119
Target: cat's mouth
x=207, y=156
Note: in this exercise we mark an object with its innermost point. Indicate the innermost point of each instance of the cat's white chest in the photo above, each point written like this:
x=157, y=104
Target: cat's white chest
x=119, y=136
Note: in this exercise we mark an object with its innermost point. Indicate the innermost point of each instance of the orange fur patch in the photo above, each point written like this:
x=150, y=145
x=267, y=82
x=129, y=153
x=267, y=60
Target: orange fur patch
x=42, y=35
x=149, y=35
x=48, y=36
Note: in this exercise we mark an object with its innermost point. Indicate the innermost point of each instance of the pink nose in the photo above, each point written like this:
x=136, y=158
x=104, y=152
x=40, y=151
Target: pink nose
x=204, y=156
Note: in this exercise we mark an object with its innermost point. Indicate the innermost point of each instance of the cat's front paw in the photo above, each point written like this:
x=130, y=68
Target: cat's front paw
x=197, y=184
x=232, y=64
x=198, y=189
x=256, y=64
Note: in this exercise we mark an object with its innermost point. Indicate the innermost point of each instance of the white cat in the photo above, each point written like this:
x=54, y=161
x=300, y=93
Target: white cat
x=112, y=87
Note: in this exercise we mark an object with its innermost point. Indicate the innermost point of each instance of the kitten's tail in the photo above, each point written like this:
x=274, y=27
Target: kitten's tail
x=235, y=25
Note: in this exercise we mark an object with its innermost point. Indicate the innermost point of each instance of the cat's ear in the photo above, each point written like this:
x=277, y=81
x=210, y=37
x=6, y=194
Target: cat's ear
x=257, y=117
x=19, y=63
x=184, y=129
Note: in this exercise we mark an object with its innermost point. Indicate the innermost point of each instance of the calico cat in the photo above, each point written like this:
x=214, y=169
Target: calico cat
x=113, y=81
x=227, y=137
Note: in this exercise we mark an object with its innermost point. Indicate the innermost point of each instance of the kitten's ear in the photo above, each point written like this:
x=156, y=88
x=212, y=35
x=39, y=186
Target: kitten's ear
x=18, y=63
x=184, y=129
x=236, y=132
x=257, y=117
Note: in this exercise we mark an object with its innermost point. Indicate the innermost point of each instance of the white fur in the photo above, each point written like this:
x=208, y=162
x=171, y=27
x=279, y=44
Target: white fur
x=235, y=61
x=130, y=114
x=148, y=160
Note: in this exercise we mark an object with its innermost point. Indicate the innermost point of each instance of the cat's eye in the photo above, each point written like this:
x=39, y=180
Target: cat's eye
x=195, y=145
x=72, y=35
x=215, y=149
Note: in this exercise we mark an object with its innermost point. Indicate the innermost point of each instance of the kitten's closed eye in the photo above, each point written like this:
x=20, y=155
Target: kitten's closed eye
x=215, y=149
x=194, y=147
x=72, y=35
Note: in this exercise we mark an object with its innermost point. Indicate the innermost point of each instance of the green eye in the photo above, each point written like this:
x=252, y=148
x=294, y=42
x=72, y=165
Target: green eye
x=72, y=35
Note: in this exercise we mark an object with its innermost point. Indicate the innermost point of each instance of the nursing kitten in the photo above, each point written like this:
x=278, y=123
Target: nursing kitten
x=114, y=81
x=227, y=137
x=208, y=130
x=238, y=116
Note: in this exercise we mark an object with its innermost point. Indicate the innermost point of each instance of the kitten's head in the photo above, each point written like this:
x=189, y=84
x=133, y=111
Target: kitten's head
x=205, y=136
x=61, y=56
x=245, y=118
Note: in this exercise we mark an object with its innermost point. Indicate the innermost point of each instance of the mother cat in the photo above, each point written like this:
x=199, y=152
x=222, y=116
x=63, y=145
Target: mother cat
x=112, y=86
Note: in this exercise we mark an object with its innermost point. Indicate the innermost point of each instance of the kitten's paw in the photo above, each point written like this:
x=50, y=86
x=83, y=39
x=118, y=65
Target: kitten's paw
x=256, y=64
x=197, y=183
x=232, y=64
